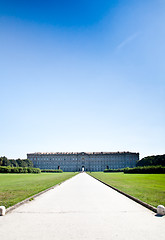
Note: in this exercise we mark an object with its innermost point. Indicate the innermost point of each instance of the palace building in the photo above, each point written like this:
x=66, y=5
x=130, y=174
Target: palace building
x=87, y=161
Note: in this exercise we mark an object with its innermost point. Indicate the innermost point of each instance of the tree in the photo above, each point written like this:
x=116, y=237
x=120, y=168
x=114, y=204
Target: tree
x=152, y=161
x=5, y=161
x=0, y=161
x=13, y=163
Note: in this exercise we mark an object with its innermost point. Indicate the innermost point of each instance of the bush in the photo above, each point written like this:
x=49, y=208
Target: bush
x=36, y=170
x=25, y=170
x=145, y=169
x=52, y=170
x=30, y=170
x=20, y=169
x=4, y=169
x=15, y=170
x=113, y=170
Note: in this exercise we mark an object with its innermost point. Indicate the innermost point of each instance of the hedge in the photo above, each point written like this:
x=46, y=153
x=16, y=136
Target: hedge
x=8, y=169
x=146, y=169
x=113, y=170
x=52, y=170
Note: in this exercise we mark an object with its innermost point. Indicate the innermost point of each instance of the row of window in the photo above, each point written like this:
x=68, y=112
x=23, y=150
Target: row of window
x=86, y=159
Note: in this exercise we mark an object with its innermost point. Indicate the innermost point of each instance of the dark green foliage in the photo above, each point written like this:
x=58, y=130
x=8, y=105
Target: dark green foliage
x=15, y=170
x=152, y=161
x=52, y=170
x=30, y=170
x=36, y=170
x=24, y=163
x=13, y=163
x=16, y=163
x=8, y=169
x=4, y=161
x=113, y=170
x=145, y=169
x=20, y=169
x=21, y=163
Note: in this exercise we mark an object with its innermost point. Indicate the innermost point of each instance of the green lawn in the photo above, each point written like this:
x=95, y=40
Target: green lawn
x=149, y=188
x=17, y=187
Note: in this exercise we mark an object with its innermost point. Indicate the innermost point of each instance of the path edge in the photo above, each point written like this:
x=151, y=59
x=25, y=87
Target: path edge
x=8, y=210
x=150, y=207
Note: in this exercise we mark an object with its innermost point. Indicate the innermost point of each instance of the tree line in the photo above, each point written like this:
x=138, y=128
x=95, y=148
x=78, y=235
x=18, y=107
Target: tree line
x=157, y=160
x=15, y=163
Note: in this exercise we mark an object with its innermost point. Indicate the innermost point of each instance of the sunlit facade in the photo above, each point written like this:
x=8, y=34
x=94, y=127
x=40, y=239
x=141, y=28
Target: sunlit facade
x=89, y=161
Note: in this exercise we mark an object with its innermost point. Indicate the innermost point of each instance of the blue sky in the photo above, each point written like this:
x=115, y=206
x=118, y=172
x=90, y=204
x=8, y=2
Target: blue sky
x=80, y=76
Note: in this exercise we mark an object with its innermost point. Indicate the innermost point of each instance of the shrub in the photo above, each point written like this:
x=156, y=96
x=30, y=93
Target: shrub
x=4, y=169
x=8, y=169
x=145, y=169
x=20, y=169
x=15, y=170
x=25, y=170
x=52, y=170
x=113, y=170
x=30, y=170
x=36, y=170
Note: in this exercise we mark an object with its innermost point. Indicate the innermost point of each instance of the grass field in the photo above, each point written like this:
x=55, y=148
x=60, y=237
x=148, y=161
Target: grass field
x=17, y=187
x=149, y=188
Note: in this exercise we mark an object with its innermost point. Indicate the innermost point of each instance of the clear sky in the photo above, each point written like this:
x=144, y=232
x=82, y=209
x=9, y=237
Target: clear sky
x=82, y=76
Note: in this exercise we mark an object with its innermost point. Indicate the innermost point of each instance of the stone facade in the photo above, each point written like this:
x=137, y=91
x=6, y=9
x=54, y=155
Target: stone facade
x=89, y=161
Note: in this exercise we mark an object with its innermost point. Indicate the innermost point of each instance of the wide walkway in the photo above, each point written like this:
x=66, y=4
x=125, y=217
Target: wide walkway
x=81, y=208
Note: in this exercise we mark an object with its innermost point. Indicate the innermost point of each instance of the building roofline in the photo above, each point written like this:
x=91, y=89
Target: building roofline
x=79, y=153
